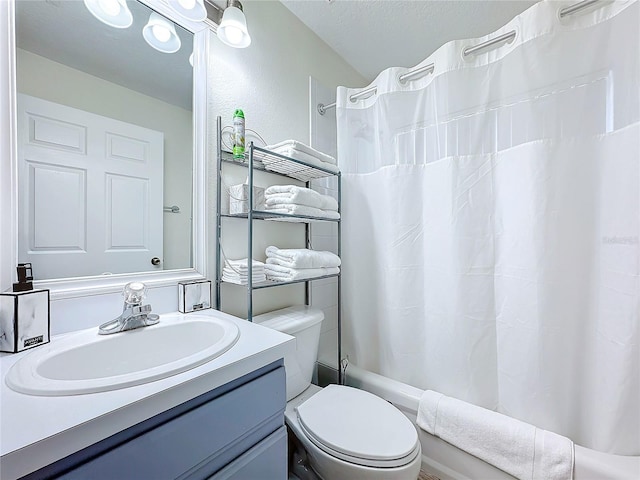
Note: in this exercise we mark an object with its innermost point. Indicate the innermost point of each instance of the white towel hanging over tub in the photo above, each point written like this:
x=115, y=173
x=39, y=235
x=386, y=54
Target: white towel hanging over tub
x=516, y=447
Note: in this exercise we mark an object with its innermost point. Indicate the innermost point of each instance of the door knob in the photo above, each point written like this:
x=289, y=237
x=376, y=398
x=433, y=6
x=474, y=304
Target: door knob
x=156, y=261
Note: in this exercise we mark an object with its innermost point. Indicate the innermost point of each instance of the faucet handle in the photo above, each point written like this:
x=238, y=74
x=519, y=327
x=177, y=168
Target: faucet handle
x=138, y=310
x=134, y=293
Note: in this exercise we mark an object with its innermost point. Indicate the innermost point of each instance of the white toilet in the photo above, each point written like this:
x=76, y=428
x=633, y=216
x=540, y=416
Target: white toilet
x=346, y=433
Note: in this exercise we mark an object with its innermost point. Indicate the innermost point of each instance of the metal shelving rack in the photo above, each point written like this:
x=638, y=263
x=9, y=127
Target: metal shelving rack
x=258, y=158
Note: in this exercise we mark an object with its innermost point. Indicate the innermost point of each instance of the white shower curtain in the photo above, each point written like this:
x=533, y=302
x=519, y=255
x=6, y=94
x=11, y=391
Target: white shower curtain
x=491, y=242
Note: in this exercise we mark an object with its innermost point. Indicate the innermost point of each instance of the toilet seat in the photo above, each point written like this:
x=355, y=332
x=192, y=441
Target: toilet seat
x=358, y=427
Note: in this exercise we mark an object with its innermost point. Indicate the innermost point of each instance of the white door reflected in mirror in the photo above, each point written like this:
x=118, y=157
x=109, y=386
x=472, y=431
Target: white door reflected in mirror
x=72, y=163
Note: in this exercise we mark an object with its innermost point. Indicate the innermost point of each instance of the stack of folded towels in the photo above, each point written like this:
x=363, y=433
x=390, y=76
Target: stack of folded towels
x=298, y=151
x=294, y=200
x=289, y=264
x=237, y=271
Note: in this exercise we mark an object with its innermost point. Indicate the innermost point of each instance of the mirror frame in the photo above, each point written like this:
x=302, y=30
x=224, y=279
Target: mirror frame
x=98, y=285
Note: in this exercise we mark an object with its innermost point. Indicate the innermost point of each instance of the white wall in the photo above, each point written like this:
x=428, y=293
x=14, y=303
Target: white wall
x=269, y=80
x=40, y=77
x=324, y=235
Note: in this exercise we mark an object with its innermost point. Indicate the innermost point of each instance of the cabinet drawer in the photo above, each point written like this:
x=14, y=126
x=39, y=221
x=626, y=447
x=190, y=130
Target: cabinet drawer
x=199, y=442
x=267, y=460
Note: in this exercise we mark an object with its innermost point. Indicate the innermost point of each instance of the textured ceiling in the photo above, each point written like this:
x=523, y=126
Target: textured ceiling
x=372, y=35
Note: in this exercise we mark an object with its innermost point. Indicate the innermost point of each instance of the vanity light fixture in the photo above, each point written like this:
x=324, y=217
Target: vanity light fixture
x=161, y=34
x=114, y=13
x=232, y=30
x=190, y=9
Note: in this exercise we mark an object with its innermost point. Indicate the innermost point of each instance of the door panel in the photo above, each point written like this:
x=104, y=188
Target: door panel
x=57, y=189
x=52, y=133
x=124, y=148
x=127, y=228
x=94, y=192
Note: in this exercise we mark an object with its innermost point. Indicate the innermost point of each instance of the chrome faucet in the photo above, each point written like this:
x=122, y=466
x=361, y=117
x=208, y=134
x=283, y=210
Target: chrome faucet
x=134, y=313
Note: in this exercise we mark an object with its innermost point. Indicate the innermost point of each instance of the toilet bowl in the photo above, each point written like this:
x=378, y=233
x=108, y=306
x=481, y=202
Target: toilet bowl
x=346, y=433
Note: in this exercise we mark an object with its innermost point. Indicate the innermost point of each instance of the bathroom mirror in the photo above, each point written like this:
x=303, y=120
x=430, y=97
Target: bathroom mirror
x=109, y=143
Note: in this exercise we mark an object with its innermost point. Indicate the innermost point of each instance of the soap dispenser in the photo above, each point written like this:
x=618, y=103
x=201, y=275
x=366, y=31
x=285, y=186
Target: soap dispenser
x=24, y=314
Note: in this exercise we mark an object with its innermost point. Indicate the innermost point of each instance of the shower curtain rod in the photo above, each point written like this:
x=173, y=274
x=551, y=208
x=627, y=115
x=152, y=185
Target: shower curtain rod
x=472, y=50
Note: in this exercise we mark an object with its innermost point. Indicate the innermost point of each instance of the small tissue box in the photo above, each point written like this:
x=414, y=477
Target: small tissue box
x=193, y=296
x=239, y=198
x=24, y=320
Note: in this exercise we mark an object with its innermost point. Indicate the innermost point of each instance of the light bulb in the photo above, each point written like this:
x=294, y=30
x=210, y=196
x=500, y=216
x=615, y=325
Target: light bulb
x=110, y=7
x=114, y=13
x=161, y=33
x=233, y=28
x=234, y=34
x=187, y=4
x=193, y=10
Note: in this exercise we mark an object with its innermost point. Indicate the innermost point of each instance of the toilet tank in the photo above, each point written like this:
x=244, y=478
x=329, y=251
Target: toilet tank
x=303, y=323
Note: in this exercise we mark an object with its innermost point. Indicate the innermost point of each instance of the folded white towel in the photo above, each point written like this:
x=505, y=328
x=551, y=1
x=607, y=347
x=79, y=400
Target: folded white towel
x=242, y=263
x=515, y=447
x=304, y=172
x=300, y=151
x=242, y=274
x=289, y=219
x=328, y=203
x=237, y=271
x=279, y=273
x=230, y=272
x=243, y=280
x=242, y=266
x=282, y=194
x=302, y=210
x=301, y=258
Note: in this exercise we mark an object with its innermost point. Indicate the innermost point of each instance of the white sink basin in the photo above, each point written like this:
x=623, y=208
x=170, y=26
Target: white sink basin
x=85, y=362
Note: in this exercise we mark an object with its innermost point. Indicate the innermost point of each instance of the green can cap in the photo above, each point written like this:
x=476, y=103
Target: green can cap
x=238, y=113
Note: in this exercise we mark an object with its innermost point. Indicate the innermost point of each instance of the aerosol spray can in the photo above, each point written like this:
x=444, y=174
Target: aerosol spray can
x=238, y=134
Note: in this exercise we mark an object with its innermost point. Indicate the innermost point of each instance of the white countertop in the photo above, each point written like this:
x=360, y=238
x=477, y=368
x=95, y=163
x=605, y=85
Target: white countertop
x=36, y=431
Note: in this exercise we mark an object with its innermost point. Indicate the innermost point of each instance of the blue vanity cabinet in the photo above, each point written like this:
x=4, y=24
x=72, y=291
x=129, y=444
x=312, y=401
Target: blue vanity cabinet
x=233, y=432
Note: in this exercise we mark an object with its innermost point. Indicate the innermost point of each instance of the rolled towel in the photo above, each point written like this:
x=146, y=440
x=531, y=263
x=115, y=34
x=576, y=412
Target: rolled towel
x=282, y=194
x=300, y=151
x=278, y=273
x=302, y=210
x=515, y=447
x=301, y=258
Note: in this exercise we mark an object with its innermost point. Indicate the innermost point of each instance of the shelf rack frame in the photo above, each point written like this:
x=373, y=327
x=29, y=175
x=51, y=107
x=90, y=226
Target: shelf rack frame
x=254, y=159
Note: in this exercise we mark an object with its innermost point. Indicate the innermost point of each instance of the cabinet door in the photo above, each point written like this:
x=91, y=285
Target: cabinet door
x=199, y=442
x=262, y=461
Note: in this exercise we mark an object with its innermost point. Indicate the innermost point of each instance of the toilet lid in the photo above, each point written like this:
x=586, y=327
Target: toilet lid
x=358, y=426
